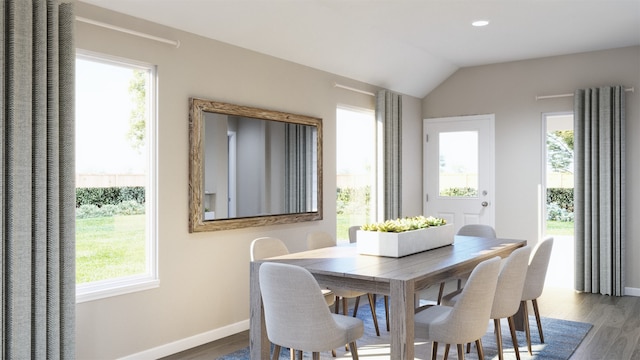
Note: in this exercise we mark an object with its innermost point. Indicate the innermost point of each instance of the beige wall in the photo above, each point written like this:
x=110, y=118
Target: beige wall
x=204, y=277
x=508, y=90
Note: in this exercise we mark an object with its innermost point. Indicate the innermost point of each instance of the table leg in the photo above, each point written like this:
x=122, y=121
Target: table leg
x=402, y=312
x=259, y=346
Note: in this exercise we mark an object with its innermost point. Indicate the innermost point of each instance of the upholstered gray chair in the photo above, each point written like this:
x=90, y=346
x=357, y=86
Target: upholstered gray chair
x=478, y=230
x=296, y=315
x=321, y=239
x=266, y=247
x=466, y=321
x=506, y=301
x=534, y=284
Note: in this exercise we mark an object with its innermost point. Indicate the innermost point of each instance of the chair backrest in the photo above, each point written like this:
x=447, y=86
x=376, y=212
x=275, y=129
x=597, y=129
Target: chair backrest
x=506, y=301
x=478, y=230
x=470, y=314
x=320, y=239
x=296, y=314
x=266, y=247
x=537, y=271
x=353, y=231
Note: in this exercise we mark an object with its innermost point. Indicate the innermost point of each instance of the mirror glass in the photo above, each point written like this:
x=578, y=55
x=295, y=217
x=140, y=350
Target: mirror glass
x=252, y=167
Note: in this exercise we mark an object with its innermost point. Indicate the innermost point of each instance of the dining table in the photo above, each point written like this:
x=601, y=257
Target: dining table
x=399, y=278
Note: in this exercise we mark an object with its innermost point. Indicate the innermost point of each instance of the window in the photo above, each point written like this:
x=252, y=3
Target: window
x=115, y=176
x=356, y=169
x=458, y=156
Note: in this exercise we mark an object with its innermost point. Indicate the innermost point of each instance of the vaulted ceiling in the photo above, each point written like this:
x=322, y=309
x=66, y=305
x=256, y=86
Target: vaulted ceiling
x=409, y=46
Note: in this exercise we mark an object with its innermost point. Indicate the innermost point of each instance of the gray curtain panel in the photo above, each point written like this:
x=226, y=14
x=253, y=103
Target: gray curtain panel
x=299, y=167
x=599, y=127
x=389, y=114
x=37, y=185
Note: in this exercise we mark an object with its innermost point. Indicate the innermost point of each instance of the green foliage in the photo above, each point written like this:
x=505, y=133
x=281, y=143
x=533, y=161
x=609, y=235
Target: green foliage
x=129, y=207
x=563, y=197
x=459, y=192
x=405, y=224
x=138, y=117
x=556, y=213
x=560, y=150
x=353, y=200
x=109, y=195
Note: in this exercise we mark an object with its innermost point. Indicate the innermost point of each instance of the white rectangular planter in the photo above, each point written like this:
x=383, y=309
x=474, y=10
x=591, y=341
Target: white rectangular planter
x=404, y=243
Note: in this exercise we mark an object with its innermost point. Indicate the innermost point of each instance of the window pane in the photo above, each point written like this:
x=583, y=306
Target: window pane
x=355, y=161
x=112, y=157
x=458, y=154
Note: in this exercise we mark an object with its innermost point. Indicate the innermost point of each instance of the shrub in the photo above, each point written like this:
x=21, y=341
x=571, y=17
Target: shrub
x=563, y=197
x=130, y=207
x=459, y=192
x=109, y=195
x=556, y=213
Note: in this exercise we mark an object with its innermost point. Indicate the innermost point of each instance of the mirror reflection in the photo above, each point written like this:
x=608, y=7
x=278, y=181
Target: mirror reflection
x=252, y=166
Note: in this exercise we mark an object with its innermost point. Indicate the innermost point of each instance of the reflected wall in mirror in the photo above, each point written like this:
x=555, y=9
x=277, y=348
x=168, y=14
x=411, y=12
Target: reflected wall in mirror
x=252, y=167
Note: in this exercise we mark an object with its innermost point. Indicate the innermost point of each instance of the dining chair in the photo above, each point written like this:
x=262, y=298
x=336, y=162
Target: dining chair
x=266, y=247
x=506, y=301
x=322, y=239
x=296, y=315
x=477, y=230
x=534, y=285
x=466, y=321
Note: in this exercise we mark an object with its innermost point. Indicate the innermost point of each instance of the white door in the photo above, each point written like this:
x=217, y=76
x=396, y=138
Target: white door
x=459, y=169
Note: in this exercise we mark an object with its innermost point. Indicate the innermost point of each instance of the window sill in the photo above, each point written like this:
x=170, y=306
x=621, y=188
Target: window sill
x=108, y=288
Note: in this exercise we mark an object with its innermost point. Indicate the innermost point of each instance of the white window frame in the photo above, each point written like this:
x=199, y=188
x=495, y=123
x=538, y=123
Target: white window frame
x=150, y=279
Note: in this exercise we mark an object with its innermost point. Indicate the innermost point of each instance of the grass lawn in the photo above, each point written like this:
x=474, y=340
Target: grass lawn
x=109, y=247
x=560, y=228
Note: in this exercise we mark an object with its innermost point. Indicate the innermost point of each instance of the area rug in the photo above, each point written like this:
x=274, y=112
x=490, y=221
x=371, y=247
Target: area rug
x=562, y=337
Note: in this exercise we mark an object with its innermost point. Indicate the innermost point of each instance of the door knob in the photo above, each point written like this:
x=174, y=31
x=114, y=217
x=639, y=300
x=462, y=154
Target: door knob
x=485, y=204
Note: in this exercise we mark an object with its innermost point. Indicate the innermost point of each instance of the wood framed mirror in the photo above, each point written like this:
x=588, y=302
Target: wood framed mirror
x=252, y=167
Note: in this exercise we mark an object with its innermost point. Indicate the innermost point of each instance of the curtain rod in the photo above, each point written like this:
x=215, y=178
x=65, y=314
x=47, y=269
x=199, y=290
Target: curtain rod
x=128, y=31
x=353, y=89
x=542, y=97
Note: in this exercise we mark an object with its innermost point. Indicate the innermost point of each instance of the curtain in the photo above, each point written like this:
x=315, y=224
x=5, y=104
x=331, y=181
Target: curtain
x=37, y=185
x=300, y=168
x=389, y=115
x=600, y=190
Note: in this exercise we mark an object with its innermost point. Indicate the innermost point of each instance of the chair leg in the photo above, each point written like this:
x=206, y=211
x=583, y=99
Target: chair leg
x=372, y=305
x=527, y=331
x=460, y=348
x=537, y=313
x=434, y=350
x=333, y=353
x=514, y=338
x=386, y=310
x=300, y=354
x=292, y=355
x=498, y=331
x=355, y=307
x=354, y=350
x=447, y=347
x=441, y=292
x=315, y=356
x=276, y=351
x=480, y=349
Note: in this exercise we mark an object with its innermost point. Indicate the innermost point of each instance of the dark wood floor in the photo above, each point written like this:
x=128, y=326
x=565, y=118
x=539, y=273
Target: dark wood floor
x=615, y=334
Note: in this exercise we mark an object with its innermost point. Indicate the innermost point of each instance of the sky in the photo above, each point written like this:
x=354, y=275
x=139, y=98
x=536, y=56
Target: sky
x=102, y=121
x=353, y=137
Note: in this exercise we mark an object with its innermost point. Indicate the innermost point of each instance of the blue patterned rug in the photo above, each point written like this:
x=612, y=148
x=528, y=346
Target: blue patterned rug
x=562, y=338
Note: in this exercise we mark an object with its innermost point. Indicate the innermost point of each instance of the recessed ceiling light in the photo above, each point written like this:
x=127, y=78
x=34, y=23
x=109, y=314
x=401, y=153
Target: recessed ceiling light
x=480, y=23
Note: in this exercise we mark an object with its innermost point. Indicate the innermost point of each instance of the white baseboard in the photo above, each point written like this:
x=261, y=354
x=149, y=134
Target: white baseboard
x=190, y=342
x=628, y=291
